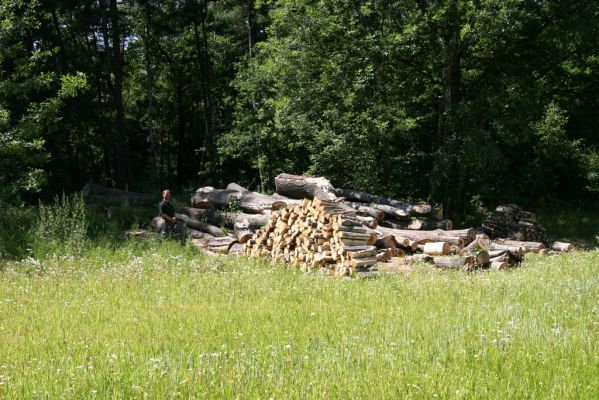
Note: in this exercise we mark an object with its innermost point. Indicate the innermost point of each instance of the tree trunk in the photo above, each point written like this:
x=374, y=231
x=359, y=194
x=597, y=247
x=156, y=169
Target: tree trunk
x=296, y=186
x=122, y=152
x=398, y=208
x=228, y=219
x=200, y=225
x=150, y=93
x=418, y=224
x=457, y=237
x=208, y=197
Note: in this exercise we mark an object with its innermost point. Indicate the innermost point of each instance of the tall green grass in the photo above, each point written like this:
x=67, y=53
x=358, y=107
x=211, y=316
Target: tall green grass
x=154, y=320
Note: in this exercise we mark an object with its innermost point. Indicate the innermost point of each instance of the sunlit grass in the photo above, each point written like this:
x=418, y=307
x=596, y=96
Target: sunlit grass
x=160, y=321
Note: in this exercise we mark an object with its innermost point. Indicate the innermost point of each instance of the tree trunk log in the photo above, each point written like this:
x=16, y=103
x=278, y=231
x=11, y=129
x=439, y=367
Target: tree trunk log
x=256, y=203
x=364, y=210
x=528, y=246
x=418, y=224
x=200, y=225
x=227, y=219
x=299, y=187
x=562, y=246
x=436, y=248
x=459, y=237
x=419, y=209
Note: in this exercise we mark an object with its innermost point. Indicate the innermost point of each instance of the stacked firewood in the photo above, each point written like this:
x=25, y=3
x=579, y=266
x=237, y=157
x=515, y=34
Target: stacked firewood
x=315, y=234
x=512, y=222
x=311, y=224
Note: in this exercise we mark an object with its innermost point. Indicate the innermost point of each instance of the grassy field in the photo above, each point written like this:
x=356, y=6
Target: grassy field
x=158, y=321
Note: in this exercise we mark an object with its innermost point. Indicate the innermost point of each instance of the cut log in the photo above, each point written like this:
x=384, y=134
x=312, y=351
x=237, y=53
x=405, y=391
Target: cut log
x=365, y=210
x=242, y=231
x=386, y=242
x=420, y=258
x=256, y=203
x=236, y=248
x=436, y=248
x=418, y=224
x=227, y=219
x=200, y=225
x=459, y=237
x=419, y=209
x=296, y=186
x=498, y=265
x=481, y=241
x=157, y=224
x=369, y=222
x=528, y=246
x=562, y=246
x=448, y=262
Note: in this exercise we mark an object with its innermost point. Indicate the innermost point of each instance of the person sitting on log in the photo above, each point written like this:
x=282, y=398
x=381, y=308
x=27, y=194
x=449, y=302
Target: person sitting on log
x=173, y=225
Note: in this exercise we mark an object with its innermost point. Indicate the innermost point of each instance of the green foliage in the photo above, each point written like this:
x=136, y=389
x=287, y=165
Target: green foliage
x=15, y=229
x=438, y=101
x=61, y=229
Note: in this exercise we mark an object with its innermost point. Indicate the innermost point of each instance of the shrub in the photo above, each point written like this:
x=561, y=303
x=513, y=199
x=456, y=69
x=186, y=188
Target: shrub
x=61, y=227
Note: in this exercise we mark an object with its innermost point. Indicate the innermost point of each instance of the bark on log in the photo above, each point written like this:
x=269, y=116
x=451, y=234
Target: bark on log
x=419, y=209
x=498, y=265
x=236, y=248
x=459, y=237
x=224, y=218
x=528, y=246
x=363, y=209
x=418, y=224
x=296, y=186
x=448, y=262
x=420, y=258
x=242, y=231
x=200, y=225
x=562, y=246
x=369, y=222
x=482, y=241
x=255, y=203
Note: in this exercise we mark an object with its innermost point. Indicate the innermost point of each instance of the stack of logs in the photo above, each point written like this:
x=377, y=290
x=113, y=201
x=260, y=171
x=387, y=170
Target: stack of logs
x=313, y=225
x=512, y=222
x=315, y=234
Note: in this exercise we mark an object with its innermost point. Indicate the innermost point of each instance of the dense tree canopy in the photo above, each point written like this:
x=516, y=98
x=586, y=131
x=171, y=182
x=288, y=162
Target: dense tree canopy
x=451, y=101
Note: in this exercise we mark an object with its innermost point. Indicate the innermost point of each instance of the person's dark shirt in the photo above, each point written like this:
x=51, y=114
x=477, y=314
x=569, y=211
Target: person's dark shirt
x=167, y=208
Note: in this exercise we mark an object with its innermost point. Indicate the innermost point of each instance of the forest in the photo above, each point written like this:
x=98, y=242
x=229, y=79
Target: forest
x=459, y=103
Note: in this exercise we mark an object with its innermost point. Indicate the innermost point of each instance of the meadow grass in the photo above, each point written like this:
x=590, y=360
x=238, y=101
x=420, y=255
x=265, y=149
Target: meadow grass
x=155, y=320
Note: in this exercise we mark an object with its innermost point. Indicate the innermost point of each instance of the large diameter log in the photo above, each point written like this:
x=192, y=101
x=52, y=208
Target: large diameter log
x=448, y=262
x=242, y=231
x=418, y=224
x=498, y=265
x=419, y=209
x=459, y=237
x=296, y=186
x=436, y=248
x=157, y=224
x=200, y=225
x=365, y=210
x=528, y=246
x=224, y=218
x=420, y=258
x=386, y=242
x=482, y=241
x=256, y=203
x=369, y=222
x=562, y=246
